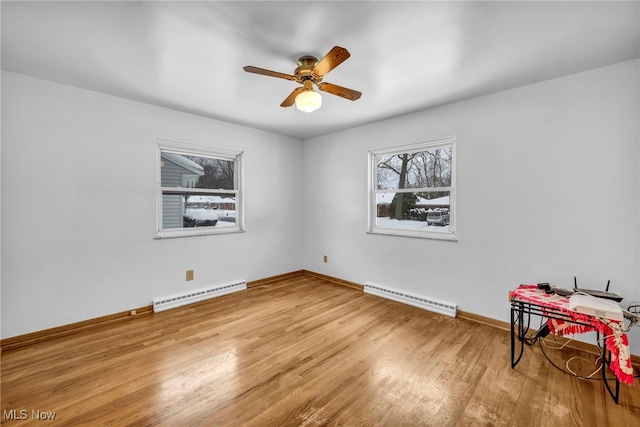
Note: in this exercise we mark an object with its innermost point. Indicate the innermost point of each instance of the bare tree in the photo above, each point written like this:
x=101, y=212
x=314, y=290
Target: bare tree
x=388, y=168
x=433, y=169
x=218, y=173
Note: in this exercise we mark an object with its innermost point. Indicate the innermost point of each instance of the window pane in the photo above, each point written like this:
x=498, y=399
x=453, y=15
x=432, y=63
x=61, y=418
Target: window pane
x=425, y=211
x=424, y=169
x=178, y=170
x=192, y=210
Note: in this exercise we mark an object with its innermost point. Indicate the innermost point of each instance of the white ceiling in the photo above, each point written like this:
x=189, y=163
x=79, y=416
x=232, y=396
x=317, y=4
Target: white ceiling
x=405, y=56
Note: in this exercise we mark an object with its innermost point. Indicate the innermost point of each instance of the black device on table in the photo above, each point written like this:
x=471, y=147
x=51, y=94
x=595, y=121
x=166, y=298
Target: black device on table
x=551, y=289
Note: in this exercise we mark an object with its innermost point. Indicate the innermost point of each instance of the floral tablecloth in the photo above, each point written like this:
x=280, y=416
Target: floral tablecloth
x=612, y=331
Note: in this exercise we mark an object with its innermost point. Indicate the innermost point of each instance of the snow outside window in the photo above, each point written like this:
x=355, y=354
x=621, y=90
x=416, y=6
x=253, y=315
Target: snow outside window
x=412, y=190
x=199, y=190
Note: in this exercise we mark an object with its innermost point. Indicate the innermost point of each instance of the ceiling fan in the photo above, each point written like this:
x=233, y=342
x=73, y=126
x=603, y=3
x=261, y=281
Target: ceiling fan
x=310, y=72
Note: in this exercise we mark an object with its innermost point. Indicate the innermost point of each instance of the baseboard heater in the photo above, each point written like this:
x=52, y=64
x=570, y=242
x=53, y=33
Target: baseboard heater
x=192, y=296
x=426, y=303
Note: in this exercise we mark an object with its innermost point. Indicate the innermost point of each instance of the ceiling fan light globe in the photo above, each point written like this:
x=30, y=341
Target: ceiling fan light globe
x=308, y=101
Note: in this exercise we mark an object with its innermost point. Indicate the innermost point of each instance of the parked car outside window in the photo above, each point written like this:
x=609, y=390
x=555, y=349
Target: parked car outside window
x=438, y=217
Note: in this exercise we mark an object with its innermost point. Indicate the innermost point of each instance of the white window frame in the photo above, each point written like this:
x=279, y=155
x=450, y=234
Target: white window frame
x=178, y=147
x=373, y=190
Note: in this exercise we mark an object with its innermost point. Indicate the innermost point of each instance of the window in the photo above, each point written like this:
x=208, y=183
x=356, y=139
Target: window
x=412, y=190
x=199, y=190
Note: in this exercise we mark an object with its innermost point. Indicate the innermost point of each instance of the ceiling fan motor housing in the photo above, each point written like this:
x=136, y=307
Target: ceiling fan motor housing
x=305, y=69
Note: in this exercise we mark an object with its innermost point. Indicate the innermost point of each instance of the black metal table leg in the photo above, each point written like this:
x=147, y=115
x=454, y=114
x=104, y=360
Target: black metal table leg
x=517, y=316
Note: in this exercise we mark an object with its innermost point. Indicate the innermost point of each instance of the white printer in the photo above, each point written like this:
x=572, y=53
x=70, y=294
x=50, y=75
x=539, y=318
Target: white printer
x=593, y=306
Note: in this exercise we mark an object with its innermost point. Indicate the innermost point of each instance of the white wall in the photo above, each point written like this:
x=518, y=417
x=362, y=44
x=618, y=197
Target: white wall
x=548, y=188
x=79, y=206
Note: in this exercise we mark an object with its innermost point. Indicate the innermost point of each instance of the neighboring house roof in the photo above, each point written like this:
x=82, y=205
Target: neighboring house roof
x=183, y=162
x=386, y=198
x=440, y=201
x=210, y=199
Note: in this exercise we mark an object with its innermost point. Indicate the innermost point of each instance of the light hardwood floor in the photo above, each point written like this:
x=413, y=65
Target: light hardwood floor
x=299, y=352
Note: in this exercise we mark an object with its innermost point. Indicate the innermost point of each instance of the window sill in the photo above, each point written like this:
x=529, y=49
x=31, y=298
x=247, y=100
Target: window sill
x=414, y=233
x=197, y=232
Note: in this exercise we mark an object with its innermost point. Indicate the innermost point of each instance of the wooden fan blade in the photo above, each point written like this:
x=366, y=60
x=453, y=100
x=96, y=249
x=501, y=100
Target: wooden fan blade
x=331, y=60
x=291, y=99
x=344, y=92
x=256, y=70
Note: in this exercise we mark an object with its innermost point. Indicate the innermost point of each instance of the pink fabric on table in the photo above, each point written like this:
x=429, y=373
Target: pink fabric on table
x=615, y=338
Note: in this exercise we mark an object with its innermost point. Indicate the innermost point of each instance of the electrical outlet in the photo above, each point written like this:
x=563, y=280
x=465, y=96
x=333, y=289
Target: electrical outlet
x=189, y=275
x=326, y=259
